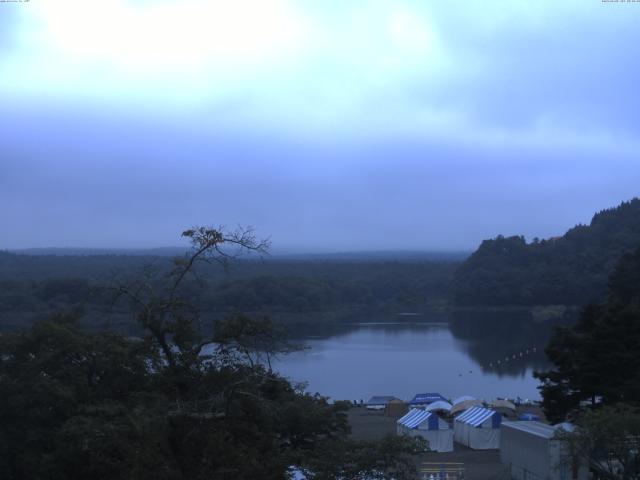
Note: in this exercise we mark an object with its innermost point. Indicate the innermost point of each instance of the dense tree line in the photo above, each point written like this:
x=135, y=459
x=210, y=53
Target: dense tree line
x=596, y=380
x=597, y=359
x=570, y=270
x=287, y=289
x=162, y=406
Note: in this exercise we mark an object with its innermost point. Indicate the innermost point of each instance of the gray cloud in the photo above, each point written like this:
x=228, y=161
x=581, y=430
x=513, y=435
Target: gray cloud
x=545, y=135
x=573, y=68
x=90, y=181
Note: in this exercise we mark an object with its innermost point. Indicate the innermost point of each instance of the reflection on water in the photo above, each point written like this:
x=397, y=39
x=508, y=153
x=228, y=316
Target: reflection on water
x=485, y=354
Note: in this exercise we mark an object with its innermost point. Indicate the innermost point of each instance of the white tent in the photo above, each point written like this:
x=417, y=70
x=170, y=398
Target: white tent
x=478, y=428
x=531, y=450
x=379, y=402
x=501, y=403
x=420, y=423
x=440, y=405
x=464, y=405
x=463, y=398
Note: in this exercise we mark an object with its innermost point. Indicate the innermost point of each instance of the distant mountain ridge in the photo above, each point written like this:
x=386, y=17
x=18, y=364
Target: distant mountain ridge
x=91, y=251
x=571, y=269
x=284, y=254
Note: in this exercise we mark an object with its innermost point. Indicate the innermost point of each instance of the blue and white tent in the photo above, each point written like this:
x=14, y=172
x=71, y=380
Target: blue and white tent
x=425, y=399
x=420, y=423
x=478, y=428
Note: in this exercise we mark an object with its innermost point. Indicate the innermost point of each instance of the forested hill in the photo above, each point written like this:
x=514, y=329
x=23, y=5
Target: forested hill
x=572, y=269
x=34, y=286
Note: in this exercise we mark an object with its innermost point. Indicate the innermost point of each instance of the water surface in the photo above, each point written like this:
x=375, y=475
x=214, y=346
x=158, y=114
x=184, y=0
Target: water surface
x=486, y=356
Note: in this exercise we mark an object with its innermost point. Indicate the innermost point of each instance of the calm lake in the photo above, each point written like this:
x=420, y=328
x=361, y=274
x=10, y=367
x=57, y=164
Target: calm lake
x=486, y=355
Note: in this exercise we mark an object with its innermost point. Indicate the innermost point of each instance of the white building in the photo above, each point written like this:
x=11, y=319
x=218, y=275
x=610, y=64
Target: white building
x=532, y=453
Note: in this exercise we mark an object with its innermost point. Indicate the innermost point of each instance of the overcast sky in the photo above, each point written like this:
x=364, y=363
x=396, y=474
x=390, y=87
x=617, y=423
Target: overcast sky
x=327, y=125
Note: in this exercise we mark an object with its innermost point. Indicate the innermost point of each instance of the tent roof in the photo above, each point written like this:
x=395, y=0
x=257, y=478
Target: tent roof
x=381, y=400
x=476, y=416
x=460, y=406
x=416, y=417
x=439, y=405
x=426, y=398
x=501, y=403
x=463, y=398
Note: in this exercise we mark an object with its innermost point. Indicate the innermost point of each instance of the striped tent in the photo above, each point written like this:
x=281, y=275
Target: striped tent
x=478, y=428
x=420, y=423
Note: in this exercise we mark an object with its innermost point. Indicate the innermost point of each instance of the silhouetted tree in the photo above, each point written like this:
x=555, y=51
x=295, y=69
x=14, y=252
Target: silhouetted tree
x=85, y=406
x=608, y=439
x=597, y=359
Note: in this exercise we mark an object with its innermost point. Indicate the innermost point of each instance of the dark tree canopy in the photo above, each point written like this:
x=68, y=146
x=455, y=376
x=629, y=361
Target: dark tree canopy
x=608, y=441
x=76, y=405
x=172, y=404
x=598, y=358
x=288, y=290
x=570, y=270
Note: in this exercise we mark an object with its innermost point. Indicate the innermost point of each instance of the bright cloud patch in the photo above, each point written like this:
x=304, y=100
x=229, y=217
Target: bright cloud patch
x=465, y=71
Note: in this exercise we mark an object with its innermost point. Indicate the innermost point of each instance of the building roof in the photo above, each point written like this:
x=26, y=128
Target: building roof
x=381, y=400
x=476, y=416
x=426, y=398
x=538, y=429
x=417, y=417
